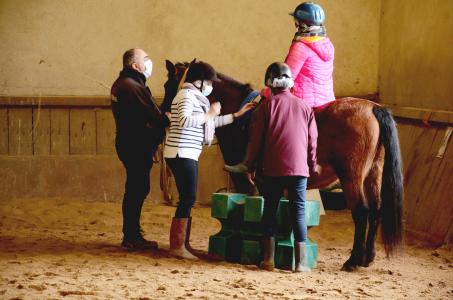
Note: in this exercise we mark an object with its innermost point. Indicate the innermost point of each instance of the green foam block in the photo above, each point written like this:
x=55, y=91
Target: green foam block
x=224, y=204
x=226, y=246
x=250, y=252
x=253, y=209
x=240, y=235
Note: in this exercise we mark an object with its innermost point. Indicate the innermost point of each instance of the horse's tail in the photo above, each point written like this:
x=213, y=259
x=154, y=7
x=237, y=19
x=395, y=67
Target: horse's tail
x=392, y=190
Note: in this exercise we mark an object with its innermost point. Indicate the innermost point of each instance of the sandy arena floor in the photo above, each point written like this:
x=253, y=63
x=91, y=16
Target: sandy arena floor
x=69, y=249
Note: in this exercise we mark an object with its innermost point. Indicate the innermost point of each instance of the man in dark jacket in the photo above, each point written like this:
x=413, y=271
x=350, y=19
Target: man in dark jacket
x=284, y=136
x=140, y=128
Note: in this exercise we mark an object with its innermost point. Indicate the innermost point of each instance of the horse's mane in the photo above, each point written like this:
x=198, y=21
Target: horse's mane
x=182, y=64
x=245, y=87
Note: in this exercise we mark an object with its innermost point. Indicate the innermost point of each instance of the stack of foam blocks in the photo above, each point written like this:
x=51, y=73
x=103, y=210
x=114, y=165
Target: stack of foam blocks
x=239, y=238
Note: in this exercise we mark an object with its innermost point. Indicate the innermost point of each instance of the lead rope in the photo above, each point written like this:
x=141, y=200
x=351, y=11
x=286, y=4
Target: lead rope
x=165, y=172
x=183, y=78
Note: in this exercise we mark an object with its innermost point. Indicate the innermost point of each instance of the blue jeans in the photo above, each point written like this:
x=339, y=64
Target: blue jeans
x=272, y=192
x=185, y=171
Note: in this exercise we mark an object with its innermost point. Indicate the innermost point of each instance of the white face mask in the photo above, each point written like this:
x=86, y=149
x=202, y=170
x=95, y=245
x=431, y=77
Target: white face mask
x=148, y=68
x=207, y=87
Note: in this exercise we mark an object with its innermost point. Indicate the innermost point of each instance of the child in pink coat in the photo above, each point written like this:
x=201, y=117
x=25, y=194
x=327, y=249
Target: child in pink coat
x=310, y=59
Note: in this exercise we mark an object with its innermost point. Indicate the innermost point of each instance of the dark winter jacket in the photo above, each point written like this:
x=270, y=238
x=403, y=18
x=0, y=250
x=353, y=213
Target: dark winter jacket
x=138, y=119
x=284, y=130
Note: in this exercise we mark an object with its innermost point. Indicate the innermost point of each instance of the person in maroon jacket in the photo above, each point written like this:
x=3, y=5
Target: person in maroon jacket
x=283, y=135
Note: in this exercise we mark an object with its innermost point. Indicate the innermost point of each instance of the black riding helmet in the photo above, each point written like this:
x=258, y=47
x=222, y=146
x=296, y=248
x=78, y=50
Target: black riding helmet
x=201, y=71
x=277, y=70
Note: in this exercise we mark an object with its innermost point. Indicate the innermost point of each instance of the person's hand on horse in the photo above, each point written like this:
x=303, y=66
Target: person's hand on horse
x=316, y=170
x=265, y=93
x=214, y=109
x=251, y=177
x=244, y=109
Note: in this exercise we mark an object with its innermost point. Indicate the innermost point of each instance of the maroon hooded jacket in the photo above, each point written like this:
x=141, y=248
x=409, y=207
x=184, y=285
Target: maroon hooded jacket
x=284, y=133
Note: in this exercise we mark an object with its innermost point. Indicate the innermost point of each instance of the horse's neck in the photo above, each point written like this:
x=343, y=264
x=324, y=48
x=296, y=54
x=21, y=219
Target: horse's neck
x=230, y=99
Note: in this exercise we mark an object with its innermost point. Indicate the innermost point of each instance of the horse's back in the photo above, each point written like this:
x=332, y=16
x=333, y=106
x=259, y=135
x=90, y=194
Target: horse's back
x=345, y=107
x=347, y=130
x=346, y=114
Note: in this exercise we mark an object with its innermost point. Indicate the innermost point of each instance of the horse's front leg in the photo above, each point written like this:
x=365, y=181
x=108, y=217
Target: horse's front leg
x=359, y=215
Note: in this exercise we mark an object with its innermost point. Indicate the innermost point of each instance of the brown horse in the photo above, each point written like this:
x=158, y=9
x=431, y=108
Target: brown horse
x=357, y=143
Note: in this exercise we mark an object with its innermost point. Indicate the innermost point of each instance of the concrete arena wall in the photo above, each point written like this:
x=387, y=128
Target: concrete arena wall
x=415, y=56
x=74, y=47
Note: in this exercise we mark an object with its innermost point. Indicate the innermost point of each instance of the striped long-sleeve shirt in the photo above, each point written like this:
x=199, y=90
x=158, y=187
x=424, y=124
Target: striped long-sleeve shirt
x=186, y=134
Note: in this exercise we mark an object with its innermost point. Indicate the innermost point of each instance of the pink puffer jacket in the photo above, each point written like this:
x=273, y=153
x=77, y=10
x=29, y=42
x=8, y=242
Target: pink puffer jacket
x=312, y=66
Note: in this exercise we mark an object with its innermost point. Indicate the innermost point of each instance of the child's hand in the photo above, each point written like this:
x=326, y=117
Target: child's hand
x=316, y=170
x=214, y=109
x=244, y=109
x=266, y=93
x=251, y=177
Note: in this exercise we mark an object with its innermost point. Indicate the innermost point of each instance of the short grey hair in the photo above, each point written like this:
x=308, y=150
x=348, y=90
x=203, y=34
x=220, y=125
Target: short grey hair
x=129, y=57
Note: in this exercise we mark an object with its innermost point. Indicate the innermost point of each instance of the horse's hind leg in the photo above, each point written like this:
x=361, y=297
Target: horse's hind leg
x=373, y=193
x=373, y=223
x=355, y=197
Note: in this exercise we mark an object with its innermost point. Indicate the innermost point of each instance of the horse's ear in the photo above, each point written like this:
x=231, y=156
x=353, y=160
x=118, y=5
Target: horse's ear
x=192, y=62
x=170, y=67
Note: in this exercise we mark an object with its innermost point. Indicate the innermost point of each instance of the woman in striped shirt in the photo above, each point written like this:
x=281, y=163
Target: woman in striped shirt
x=193, y=122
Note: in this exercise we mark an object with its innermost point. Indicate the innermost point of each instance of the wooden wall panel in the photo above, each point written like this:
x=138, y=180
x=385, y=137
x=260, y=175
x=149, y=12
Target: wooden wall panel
x=406, y=132
x=20, y=131
x=41, y=131
x=82, y=131
x=3, y=131
x=428, y=180
x=442, y=217
x=409, y=134
x=105, y=131
x=422, y=184
x=59, y=131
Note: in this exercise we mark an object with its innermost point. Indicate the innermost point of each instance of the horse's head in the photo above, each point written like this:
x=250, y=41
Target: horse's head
x=229, y=92
x=175, y=73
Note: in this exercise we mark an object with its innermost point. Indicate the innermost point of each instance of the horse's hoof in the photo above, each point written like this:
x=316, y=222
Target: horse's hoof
x=367, y=263
x=348, y=267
